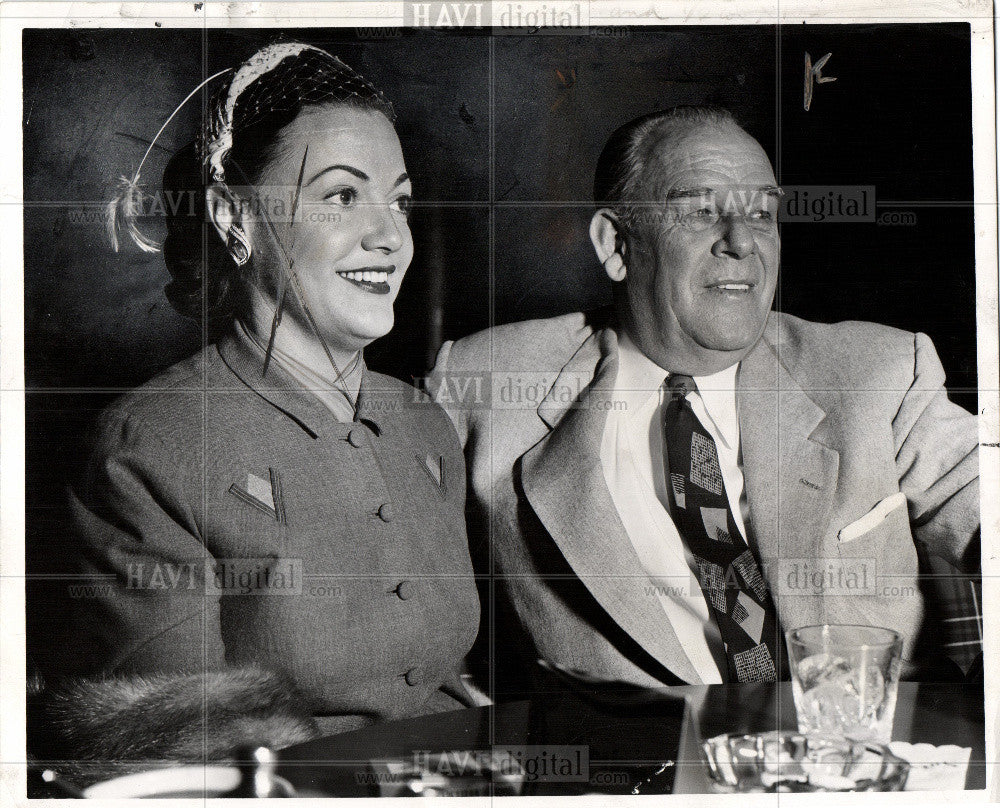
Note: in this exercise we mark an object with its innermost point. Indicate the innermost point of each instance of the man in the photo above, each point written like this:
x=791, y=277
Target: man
x=698, y=474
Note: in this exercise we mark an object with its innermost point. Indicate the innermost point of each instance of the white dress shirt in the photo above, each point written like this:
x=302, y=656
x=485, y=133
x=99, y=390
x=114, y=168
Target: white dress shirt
x=632, y=460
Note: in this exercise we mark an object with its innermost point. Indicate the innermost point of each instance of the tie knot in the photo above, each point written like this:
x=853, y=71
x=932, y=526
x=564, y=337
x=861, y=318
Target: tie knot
x=680, y=386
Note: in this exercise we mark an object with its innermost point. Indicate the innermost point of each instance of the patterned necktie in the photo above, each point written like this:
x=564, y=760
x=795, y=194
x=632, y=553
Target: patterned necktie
x=728, y=572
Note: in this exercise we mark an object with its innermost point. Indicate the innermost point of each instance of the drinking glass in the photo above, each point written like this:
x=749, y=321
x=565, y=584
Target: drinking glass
x=844, y=679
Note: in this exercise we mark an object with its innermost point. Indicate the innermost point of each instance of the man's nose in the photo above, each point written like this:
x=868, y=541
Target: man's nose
x=736, y=239
x=383, y=232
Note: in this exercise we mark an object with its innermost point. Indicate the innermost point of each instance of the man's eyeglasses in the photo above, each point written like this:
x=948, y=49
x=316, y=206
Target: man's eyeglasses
x=706, y=218
x=702, y=209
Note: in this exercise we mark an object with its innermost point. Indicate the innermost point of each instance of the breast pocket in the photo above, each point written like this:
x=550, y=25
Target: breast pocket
x=435, y=467
x=860, y=528
x=876, y=554
x=252, y=513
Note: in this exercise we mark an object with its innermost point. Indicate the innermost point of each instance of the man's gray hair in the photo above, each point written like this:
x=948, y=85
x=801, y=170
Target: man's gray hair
x=624, y=157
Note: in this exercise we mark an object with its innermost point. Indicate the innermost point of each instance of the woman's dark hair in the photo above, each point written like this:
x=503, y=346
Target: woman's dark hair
x=205, y=281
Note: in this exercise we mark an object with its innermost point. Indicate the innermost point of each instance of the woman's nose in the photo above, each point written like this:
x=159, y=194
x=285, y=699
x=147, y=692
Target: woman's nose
x=736, y=239
x=384, y=232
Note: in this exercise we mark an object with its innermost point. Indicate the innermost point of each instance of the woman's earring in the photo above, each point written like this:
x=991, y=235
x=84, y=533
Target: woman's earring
x=238, y=246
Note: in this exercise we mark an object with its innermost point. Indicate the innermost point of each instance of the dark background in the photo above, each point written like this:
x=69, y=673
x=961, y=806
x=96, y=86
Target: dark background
x=496, y=240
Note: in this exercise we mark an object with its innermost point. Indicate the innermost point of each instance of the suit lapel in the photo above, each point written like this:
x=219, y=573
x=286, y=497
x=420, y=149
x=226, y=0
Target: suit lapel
x=565, y=484
x=789, y=472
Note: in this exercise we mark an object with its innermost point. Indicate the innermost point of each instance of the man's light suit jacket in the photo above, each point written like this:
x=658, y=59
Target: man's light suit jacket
x=839, y=424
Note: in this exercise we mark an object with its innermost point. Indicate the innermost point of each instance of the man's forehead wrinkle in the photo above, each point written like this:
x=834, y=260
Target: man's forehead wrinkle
x=706, y=166
x=706, y=173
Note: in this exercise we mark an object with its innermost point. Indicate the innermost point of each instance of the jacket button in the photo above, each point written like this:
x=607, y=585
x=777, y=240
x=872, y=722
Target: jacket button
x=355, y=438
x=405, y=590
x=385, y=512
x=414, y=676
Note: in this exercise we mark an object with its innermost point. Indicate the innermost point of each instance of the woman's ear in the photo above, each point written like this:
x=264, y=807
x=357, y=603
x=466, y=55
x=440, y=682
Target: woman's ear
x=223, y=210
x=609, y=243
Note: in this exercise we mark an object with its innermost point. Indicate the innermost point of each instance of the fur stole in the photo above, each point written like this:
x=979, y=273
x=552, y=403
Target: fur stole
x=94, y=729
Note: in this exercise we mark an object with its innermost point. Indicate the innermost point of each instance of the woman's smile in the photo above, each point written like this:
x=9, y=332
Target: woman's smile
x=374, y=280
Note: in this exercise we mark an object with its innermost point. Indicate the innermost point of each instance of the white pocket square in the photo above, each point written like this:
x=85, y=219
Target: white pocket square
x=873, y=518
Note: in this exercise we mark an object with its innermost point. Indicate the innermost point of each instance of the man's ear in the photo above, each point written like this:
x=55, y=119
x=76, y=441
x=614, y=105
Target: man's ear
x=223, y=210
x=609, y=243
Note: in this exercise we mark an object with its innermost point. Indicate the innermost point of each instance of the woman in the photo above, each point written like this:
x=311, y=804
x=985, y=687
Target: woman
x=271, y=501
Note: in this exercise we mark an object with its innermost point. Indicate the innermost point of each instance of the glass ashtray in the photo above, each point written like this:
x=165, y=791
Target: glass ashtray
x=790, y=761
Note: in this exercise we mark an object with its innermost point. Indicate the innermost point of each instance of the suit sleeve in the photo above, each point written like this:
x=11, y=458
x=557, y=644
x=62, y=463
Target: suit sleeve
x=937, y=458
x=144, y=604
x=448, y=387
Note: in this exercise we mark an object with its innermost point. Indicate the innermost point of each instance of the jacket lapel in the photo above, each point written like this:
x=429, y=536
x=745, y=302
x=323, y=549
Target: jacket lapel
x=565, y=484
x=790, y=472
x=246, y=361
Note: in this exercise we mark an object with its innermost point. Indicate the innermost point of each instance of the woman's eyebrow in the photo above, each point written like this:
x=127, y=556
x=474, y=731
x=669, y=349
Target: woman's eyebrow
x=357, y=172
x=402, y=178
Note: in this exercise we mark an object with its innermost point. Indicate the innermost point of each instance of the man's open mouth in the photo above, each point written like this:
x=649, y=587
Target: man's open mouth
x=371, y=279
x=732, y=286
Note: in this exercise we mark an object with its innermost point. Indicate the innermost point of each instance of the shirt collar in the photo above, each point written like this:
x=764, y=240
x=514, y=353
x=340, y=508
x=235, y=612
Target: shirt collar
x=718, y=392
x=246, y=360
x=639, y=378
x=340, y=399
